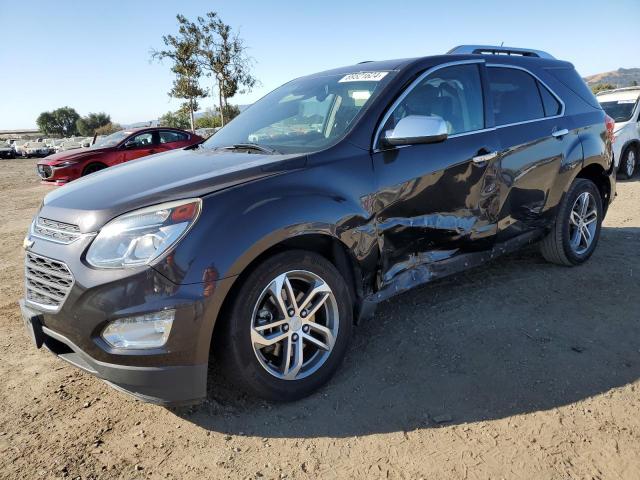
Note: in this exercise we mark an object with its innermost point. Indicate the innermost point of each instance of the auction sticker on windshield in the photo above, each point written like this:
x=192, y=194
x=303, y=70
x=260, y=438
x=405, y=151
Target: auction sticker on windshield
x=363, y=77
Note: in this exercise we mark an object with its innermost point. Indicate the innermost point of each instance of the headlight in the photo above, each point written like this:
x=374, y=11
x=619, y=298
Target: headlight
x=144, y=331
x=68, y=163
x=139, y=237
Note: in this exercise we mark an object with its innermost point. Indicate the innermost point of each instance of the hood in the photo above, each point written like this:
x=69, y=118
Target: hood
x=93, y=200
x=75, y=154
x=619, y=126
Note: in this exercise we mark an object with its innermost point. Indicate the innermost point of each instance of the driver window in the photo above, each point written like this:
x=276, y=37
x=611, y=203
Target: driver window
x=142, y=140
x=453, y=93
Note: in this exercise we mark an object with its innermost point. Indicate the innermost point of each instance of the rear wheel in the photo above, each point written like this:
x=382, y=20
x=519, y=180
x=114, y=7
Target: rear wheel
x=93, y=168
x=628, y=163
x=289, y=327
x=576, y=229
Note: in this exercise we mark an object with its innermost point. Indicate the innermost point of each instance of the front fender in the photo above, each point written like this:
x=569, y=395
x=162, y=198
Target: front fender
x=239, y=224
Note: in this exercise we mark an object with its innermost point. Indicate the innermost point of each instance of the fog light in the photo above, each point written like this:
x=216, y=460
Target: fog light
x=143, y=331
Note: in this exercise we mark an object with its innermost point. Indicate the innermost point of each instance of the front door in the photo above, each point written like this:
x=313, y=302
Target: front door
x=139, y=145
x=436, y=200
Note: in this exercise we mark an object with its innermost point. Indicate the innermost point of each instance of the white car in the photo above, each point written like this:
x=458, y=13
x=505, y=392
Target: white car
x=18, y=146
x=623, y=105
x=35, y=149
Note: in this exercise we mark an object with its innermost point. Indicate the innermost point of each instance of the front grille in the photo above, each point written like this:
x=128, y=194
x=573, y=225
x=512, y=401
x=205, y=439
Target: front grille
x=47, y=281
x=45, y=171
x=59, y=232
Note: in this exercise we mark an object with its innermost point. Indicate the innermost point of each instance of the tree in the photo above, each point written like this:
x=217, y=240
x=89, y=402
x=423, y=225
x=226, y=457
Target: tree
x=88, y=125
x=182, y=50
x=223, y=54
x=107, y=129
x=230, y=112
x=60, y=122
x=601, y=87
x=47, y=124
x=178, y=119
x=208, y=120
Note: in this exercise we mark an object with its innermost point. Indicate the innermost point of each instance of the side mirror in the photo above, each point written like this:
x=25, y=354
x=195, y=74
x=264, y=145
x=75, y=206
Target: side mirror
x=417, y=129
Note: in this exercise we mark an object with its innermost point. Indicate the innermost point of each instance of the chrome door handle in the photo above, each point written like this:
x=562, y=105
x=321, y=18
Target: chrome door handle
x=560, y=133
x=484, y=157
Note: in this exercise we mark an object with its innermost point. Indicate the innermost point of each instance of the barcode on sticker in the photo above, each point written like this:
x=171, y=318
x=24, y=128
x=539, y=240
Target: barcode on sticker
x=363, y=77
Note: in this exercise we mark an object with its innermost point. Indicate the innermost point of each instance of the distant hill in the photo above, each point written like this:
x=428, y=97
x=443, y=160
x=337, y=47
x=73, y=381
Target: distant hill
x=623, y=77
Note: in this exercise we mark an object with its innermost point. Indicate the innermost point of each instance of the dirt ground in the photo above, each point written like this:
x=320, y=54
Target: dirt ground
x=519, y=369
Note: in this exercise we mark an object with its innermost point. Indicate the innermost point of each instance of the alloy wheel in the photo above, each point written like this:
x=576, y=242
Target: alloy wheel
x=583, y=222
x=294, y=325
x=630, y=164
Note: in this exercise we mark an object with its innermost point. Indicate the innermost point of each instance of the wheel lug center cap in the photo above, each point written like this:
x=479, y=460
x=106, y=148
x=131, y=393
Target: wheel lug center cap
x=295, y=324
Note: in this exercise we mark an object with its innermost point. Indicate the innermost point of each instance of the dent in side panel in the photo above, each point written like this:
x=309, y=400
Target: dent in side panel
x=443, y=204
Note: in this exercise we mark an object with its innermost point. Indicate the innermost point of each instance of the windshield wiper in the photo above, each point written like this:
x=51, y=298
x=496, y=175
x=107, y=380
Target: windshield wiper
x=251, y=146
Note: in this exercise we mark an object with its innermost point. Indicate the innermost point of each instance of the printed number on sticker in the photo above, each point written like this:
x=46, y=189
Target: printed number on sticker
x=363, y=77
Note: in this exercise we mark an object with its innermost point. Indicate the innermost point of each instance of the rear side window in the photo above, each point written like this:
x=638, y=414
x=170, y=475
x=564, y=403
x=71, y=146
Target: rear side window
x=515, y=96
x=167, y=136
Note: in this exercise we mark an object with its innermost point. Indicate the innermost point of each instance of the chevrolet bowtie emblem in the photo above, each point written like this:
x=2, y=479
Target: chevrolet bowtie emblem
x=27, y=242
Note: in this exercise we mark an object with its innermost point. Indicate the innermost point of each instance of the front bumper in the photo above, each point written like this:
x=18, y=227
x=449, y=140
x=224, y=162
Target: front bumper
x=53, y=175
x=173, y=374
x=163, y=385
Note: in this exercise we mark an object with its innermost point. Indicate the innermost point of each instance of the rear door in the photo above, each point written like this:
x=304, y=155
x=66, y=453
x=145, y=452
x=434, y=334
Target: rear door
x=436, y=200
x=535, y=138
x=170, y=139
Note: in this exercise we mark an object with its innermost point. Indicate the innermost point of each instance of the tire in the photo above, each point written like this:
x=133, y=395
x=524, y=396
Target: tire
x=628, y=163
x=560, y=245
x=93, y=168
x=260, y=370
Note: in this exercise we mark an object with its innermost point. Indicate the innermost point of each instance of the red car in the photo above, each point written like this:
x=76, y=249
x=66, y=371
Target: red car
x=119, y=147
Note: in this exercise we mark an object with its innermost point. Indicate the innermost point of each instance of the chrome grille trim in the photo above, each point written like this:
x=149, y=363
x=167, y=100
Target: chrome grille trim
x=47, y=282
x=54, y=231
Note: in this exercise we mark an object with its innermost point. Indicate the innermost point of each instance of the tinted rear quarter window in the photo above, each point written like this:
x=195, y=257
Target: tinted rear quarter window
x=570, y=78
x=515, y=96
x=551, y=104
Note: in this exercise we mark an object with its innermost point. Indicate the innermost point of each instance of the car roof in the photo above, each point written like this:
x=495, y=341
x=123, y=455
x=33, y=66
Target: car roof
x=131, y=131
x=457, y=54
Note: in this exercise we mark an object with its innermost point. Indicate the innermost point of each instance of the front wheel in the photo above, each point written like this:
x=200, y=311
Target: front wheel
x=288, y=328
x=93, y=168
x=576, y=228
x=628, y=163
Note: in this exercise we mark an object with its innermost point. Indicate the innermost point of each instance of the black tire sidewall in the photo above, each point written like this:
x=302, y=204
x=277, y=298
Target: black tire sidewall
x=582, y=185
x=253, y=376
x=92, y=168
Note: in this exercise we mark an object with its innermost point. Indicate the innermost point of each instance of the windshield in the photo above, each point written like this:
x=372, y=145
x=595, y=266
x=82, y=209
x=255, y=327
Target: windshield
x=305, y=115
x=111, y=140
x=620, y=111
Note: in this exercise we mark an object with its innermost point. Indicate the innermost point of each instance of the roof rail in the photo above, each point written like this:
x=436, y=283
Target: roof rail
x=494, y=50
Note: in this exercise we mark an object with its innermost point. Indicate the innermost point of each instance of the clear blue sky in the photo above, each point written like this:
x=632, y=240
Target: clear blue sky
x=94, y=56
